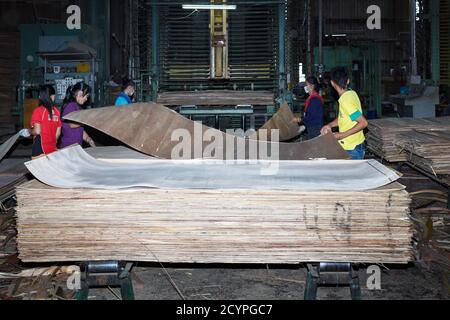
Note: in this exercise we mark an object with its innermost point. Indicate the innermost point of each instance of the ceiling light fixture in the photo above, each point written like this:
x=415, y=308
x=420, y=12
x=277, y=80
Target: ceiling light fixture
x=208, y=7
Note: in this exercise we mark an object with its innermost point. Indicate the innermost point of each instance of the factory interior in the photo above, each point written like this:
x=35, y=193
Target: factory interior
x=220, y=150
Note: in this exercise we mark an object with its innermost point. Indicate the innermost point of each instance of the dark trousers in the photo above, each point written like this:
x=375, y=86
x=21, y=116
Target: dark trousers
x=312, y=133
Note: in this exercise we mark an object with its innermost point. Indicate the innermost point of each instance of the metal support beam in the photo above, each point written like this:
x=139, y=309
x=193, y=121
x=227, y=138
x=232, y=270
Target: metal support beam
x=219, y=42
x=321, y=69
x=412, y=4
x=107, y=36
x=435, y=42
x=309, y=43
x=155, y=49
x=282, y=76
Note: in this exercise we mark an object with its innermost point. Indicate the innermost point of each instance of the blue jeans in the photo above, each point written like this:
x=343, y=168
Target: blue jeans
x=358, y=153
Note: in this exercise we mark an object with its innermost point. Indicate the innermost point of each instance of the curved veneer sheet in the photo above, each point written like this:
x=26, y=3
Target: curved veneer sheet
x=7, y=146
x=155, y=130
x=75, y=168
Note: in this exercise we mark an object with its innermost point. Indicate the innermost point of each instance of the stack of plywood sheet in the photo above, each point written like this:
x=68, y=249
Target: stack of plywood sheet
x=213, y=226
x=8, y=184
x=206, y=212
x=384, y=135
x=429, y=150
x=6, y=131
x=8, y=145
x=216, y=98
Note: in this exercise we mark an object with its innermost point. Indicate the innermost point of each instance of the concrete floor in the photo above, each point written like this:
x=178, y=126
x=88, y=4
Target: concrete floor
x=197, y=283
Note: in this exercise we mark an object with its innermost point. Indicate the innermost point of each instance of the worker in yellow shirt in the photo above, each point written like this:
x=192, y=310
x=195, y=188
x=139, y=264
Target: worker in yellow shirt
x=351, y=121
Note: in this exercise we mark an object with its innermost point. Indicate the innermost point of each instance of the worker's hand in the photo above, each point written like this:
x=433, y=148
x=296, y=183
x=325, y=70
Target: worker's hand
x=339, y=136
x=25, y=133
x=326, y=130
x=296, y=120
x=91, y=143
x=302, y=129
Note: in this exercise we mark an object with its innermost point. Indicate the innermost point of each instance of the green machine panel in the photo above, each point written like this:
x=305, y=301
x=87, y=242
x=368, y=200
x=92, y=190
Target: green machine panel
x=363, y=64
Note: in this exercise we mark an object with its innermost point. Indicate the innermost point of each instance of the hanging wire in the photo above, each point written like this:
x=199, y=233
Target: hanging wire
x=185, y=17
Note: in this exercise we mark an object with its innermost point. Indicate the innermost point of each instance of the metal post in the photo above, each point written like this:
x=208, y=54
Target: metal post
x=413, y=37
x=321, y=37
x=311, y=285
x=155, y=49
x=129, y=38
x=107, y=35
x=435, y=42
x=281, y=50
x=92, y=12
x=309, y=48
x=448, y=198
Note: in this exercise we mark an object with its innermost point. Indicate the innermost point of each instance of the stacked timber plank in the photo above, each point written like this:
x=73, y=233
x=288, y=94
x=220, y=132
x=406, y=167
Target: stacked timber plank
x=213, y=226
x=216, y=98
x=12, y=173
x=8, y=145
x=8, y=183
x=384, y=135
x=429, y=150
x=6, y=131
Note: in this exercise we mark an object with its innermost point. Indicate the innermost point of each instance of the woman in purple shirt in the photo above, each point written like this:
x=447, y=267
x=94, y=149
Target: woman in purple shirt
x=73, y=133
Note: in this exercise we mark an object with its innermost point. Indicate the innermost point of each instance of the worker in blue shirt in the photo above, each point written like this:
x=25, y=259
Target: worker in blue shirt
x=126, y=96
x=314, y=109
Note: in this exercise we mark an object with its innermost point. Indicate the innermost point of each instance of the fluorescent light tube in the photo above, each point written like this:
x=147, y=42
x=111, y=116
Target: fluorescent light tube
x=209, y=7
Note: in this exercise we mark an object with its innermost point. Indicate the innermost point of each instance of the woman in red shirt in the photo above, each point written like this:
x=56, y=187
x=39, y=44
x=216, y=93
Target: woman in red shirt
x=45, y=123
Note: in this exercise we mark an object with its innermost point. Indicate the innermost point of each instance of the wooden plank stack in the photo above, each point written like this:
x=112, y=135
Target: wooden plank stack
x=428, y=150
x=213, y=226
x=216, y=98
x=8, y=183
x=6, y=131
x=384, y=135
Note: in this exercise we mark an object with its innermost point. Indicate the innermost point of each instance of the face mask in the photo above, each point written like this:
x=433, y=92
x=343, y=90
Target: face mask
x=306, y=89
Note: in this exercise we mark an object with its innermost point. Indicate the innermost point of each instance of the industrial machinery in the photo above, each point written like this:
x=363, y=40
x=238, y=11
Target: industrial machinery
x=363, y=63
x=233, y=46
x=67, y=62
x=417, y=100
x=52, y=54
x=106, y=274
